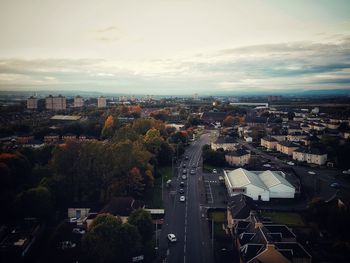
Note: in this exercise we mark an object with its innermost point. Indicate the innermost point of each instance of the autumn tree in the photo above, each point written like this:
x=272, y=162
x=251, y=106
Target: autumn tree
x=108, y=128
x=228, y=121
x=153, y=140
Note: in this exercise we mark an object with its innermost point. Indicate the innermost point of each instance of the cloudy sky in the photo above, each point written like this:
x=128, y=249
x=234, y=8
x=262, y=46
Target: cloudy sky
x=174, y=47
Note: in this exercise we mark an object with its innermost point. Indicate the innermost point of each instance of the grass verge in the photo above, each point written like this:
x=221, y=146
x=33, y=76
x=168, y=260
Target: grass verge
x=290, y=219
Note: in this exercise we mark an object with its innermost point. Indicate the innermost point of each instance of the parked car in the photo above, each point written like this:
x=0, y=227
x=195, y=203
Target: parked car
x=186, y=157
x=193, y=172
x=182, y=184
x=184, y=177
x=290, y=163
x=181, y=191
x=184, y=165
x=215, y=171
x=346, y=171
x=311, y=172
x=267, y=165
x=182, y=198
x=184, y=171
x=172, y=237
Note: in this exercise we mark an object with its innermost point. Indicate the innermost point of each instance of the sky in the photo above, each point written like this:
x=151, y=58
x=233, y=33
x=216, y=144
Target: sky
x=168, y=47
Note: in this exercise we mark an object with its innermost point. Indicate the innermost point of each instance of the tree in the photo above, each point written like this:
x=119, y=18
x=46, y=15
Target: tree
x=108, y=128
x=108, y=240
x=165, y=154
x=228, y=121
x=143, y=221
x=35, y=202
x=153, y=140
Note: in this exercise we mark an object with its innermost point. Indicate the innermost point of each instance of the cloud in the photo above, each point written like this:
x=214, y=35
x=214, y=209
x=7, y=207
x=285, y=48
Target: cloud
x=284, y=66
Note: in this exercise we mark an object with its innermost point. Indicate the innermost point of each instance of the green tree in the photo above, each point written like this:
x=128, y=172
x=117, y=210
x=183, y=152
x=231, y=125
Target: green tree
x=153, y=140
x=35, y=202
x=143, y=221
x=108, y=240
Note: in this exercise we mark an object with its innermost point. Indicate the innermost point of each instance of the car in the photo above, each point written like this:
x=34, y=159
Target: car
x=182, y=198
x=346, y=171
x=215, y=171
x=193, y=172
x=184, y=171
x=311, y=172
x=181, y=191
x=184, y=177
x=335, y=185
x=78, y=231
x=184, y=165
x=267, y=165
x=290, y=163
x=186, y=157
x=66, y=245
x=182, y=184
x=73, y=220
x=172, y=237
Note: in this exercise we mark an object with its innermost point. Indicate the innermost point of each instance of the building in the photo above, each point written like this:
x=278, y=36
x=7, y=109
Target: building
x=267, y=242
x=286, y=147
x=122, y=207
x=25, y=138
x=227, y=143
x=55, y=103
x=268, y=142
x=101, y=102
x=51, y=138
x=239, y=208
x=259, y=185
x=310, y=155
x=69, y=137
x=239, y=157
x=78, y=102
x=32, y=103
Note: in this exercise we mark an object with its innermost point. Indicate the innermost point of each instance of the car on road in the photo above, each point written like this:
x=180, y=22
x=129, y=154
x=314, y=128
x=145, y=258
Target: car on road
x=184, y=177
x=181, y=191
x=346, y=171
x=182, y=198
x=311, y=172
x=78, y=231
x=335, y=185
x=184, y=171
x=215, y=171
x=182, y=184
x=186, y=157
x=193, y=172
x=184, y=165
x=290, y=163
x=172, y=237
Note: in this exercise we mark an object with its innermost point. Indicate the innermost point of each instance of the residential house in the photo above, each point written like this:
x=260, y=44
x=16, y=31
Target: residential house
x=286, y=147
x=310, y=155
x=239, y=157
x=69, y=136
x=268, y=142
x=24, y=138
x=227, y=143
x=296, y=137
x=122, y=207
x=239, y=208
x=51, y=138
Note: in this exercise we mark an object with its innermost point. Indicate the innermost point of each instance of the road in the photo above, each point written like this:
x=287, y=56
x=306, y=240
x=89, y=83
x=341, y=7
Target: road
x=184, y=219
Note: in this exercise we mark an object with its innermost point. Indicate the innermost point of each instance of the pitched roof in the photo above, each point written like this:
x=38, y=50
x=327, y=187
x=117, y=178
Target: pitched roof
x=269, y=139
x=271, y=179
x=238, y=152
x=241, y=177
x=122, y=206
x=288, y=144
x=240, y=206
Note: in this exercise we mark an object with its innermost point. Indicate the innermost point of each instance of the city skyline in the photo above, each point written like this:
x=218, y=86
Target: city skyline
x=175, y=47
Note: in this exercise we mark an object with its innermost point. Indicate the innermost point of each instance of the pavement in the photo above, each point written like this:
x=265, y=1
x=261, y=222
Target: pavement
x=187, y=220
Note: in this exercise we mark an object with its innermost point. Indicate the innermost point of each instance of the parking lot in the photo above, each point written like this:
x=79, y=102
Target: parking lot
x=215, y=191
